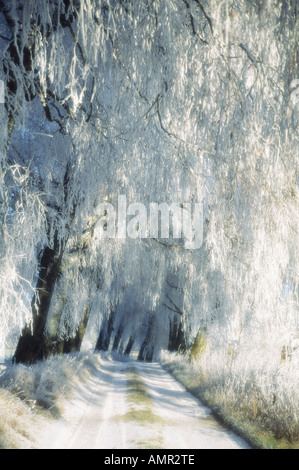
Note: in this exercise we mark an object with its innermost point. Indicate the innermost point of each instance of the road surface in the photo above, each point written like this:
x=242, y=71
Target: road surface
x=136, y=405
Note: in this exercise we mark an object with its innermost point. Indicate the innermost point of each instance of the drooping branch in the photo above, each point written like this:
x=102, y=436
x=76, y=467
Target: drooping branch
x=205, y=15
x=250, y=55
x=194, y=32
x=174, y=305
x=32, y=345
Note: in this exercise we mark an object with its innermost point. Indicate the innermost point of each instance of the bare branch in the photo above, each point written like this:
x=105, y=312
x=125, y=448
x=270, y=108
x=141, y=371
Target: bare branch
x=205, y=15
x=174, y=305
x=169, y=308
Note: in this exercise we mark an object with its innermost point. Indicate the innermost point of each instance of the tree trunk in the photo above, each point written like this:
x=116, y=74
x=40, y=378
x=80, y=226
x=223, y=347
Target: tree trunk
x=176, y=340
x=74, y=344
x=106, y=330
x=129, y=345
x=32, y=345
x=147, y=351
x=118, y=337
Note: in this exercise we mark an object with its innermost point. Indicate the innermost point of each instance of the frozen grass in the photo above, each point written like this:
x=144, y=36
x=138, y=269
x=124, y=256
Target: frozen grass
x=19, y=423
x=30, y=396
x=137, y=391
x=140, y=401
x=260, y=404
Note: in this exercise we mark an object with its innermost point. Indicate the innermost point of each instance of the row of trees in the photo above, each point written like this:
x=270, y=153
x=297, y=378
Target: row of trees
x=180, y=101
x=59, y=130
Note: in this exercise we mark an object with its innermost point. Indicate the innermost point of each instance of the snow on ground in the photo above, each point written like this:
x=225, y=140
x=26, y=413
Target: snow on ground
x=97, y=415
x=190, y=424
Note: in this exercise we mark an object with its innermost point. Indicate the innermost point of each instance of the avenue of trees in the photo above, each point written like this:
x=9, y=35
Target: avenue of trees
x=162, y=101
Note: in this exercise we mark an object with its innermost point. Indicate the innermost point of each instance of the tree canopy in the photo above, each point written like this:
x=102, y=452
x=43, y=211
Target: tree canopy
x=180, y=101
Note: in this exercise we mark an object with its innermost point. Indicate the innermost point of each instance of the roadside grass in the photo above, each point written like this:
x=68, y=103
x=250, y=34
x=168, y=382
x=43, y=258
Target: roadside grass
x=242, y=411
x=20, y=422
x=32, y=396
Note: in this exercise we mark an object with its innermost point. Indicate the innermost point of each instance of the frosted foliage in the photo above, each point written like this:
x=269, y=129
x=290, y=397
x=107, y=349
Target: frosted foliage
x=23, y=230
x=162, y=102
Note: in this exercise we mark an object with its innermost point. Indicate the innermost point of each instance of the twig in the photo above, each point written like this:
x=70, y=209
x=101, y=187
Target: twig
x=175, y=306
x=249, y=55
x=205, y=15
x=169, y=308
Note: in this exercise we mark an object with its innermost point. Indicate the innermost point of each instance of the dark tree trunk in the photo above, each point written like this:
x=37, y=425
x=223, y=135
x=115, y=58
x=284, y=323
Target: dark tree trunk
x=181, y=339
x=74, y=344
x=147, y=351
x=101, y=341
x=106, y=331
x=129, y=345
x=32, y=345
x=121, y=347
x=176, y=340
x=118, y=337
x=54, y=345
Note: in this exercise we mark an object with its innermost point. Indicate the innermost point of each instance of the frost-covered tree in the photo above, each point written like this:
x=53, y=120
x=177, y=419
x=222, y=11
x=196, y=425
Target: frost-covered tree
x=180, y=101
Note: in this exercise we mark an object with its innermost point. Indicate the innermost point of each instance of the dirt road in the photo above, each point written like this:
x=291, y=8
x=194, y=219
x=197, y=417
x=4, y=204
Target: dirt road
x=135, y=405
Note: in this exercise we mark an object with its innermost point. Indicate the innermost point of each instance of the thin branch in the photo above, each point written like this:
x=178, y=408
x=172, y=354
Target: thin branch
x=152, y=105
x=4, y=38
x=191, y=17
x=168, y=245
x=127, y=71
x=169, y=308
x=173, y=286
x=193, y=24
x=250, y=55
x=75, y=39
x=170, y=134
x=64, y=104
x=205, y=15
x=32, y=174
x=174, y=305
